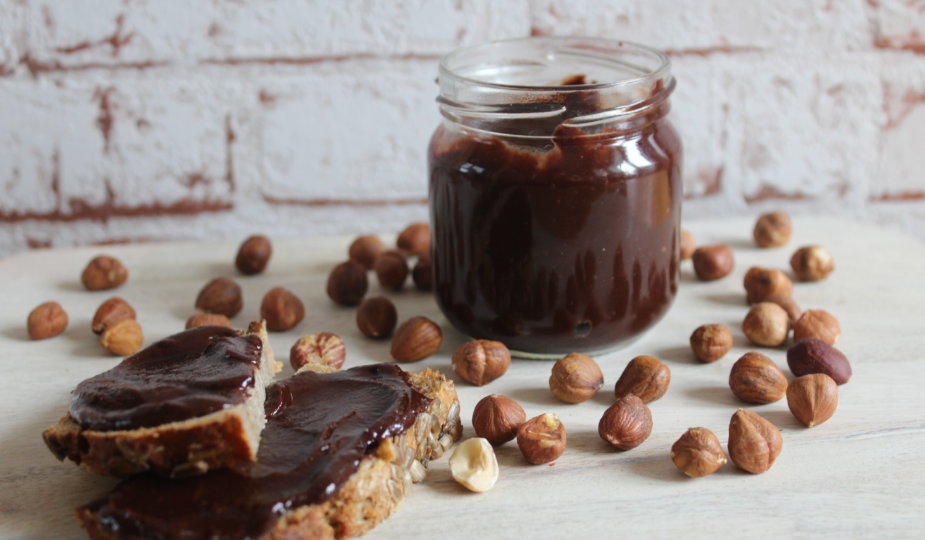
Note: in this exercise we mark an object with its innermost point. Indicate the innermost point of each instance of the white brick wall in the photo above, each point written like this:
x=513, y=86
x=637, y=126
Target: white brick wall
x=162, y=119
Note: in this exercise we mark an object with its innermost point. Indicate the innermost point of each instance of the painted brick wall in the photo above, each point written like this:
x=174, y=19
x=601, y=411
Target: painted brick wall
x=135, y=120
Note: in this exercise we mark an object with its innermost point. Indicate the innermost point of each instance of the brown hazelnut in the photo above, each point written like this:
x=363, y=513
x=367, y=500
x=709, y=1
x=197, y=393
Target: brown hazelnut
x=103, y=272
x=376, y=317
x=324, y=348
x=812, y=263
x=542, y=439
x=762, y=283
x=416, y=339
x=110, y=312
x=710, y=342
x=123, y=338
x=789, y=304
x=281, y=309
x=754, y=442
x=254, y=254
x=221, y=295
x=392, y=270
x=415, y=239
x=766, y=324
x=496, y=418
x=481, y=361
x=645, y=377
x=772, y=230
x=812, y=398
x=347, y=283
x=712, y=262
x=48, y=319
x=626, y=424
x=755, y=378
x=819, y=324
x=687, y=245
x=423, y=273
x=365, y=249
x=811, y=355
x=575, y=378
x=207, y=319
x=698, y=453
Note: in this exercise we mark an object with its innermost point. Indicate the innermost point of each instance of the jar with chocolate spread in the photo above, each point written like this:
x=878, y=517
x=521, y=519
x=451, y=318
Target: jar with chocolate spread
x=555, y=193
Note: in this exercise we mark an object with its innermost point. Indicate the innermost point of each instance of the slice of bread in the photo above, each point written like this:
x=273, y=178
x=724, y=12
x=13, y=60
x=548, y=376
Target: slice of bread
x=367, y=496
x=220, y=439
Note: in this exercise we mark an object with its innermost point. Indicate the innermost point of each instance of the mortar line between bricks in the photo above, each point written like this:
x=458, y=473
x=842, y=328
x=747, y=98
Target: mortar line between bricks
x=343, y=202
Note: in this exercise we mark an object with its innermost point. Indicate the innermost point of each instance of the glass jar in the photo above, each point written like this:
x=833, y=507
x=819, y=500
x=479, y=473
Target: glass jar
x=555, y=193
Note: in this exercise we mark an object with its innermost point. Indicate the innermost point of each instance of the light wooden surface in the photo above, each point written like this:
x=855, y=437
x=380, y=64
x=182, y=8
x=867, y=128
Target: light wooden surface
x=861, y=474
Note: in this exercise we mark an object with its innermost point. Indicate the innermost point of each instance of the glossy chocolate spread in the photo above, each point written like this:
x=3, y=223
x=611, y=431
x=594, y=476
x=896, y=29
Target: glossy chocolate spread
x=184, y=376
x=319, y=428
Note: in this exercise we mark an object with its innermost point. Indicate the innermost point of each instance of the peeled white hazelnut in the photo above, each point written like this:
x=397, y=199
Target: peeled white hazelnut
x=474, y=465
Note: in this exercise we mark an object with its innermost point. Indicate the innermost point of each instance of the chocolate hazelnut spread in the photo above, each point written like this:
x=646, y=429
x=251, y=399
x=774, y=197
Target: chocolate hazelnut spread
x=319, y=428
x=184, y=376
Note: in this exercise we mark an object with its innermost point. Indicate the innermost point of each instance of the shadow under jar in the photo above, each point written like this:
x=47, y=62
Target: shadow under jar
x=555, y=193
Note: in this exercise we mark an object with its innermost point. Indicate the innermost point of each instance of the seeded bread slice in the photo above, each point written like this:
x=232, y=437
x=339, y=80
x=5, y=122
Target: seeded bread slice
x=219, y=439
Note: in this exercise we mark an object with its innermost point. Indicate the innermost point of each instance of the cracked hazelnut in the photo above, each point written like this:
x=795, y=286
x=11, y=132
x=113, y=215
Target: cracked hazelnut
x=710, y=342
x=542, y=439
x=626, y=424
x=220, y=295
x=323, y=348
x=762, y=283
x=391, y=269
x=754, y=442
x=772, y=230
x=481, y=361
x=365, y=249
x=687, y=245
x=415, y=239
x=698, y=453
x=347, y=283
x=376, y=317
x=812, y=263
x=207, y=319
x=474, y=465
x=812, y=355
x=712, y=262
x=766, y=324
x=812, y=398
x=253, y=254
x=423, y=273
x=103, y=272
x=645, y=377
x=123, y=338
x=496, y=418
x=416, y=339
x=109, y=313
x=47, y=320
x=281, y=309
x=575, y=378
x=817, y=323
x=755, y=378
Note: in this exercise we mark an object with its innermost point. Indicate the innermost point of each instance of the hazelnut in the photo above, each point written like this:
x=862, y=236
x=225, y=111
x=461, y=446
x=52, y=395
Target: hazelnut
x=221, y=295
x=542, y=439
x=687, y=245
x=754, y=443
x=415, y=239
x=710, y=342
x=817, y=323
x=123, y=338
x=347, y=283
x=48, y=319
x=762, y=283
x=766, y=324
x=496, y=418
x=281, y=309
x=755, y=378
x=103, y=272
x=698, y=453
x=325, y=348
x=207, y=319
x=626, y=424
x=481, y=361
x=416, y=339
x=473, y=464
x=645, y=377
x=423, y=273
x=789, y=304
x=254, y=254
x=110, y=312
x=712, y=262
x=392, y=270
x=772, y=230
x=812, y=398
x=376, y=317
x=575, y=378
x=812, y=263
x=365, y=249
x=812, y=355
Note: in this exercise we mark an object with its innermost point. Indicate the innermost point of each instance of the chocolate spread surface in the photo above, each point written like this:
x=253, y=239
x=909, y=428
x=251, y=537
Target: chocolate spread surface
x=319, y=428
x=183, y=376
